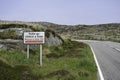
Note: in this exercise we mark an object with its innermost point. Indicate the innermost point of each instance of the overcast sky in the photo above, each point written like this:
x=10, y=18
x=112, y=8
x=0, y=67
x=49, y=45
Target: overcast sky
x=61, y=11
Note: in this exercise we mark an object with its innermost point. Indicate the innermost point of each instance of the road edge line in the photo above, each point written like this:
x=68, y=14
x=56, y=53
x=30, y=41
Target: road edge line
x=96, y=61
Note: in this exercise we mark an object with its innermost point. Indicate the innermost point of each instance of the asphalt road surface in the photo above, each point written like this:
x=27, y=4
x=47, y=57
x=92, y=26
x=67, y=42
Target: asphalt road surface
x=108, y=57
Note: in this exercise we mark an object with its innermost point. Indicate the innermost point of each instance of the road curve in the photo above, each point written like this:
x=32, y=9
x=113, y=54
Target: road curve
x=108, y=57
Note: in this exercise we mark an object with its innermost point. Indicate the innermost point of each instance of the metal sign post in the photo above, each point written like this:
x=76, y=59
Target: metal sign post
x=28, y=51
x=40, y=54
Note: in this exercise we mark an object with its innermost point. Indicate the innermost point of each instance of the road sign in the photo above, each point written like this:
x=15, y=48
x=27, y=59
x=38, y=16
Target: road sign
x=34, y=37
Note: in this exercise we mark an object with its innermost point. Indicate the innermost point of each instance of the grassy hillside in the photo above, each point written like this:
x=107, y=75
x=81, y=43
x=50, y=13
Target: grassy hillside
x=110, y=31
x=70, y=61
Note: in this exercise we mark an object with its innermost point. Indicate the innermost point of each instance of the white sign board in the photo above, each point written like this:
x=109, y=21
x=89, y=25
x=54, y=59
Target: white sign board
x=34, y=37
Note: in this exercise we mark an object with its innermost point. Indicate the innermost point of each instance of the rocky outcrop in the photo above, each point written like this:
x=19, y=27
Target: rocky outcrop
x=53, y=40
x=10, y=44
x=12, y=38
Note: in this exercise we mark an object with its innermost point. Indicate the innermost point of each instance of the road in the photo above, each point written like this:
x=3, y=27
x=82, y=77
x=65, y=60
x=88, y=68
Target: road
x=108, y=57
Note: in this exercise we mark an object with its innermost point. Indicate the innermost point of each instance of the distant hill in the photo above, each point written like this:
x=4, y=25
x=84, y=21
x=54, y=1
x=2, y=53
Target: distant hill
x=110, y=31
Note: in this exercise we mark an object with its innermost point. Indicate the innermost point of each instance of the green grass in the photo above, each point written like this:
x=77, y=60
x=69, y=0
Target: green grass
x=116, y=41
x=70, y=61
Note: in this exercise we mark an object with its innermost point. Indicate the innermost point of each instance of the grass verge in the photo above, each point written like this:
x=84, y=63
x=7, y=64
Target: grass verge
x=70, y=61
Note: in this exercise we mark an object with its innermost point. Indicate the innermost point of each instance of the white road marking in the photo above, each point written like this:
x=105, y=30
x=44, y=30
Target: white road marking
x=99, y=70
x=96, y=61
x=117, y=49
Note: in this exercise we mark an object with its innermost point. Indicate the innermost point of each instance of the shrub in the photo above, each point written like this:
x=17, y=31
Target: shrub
x=10, y=34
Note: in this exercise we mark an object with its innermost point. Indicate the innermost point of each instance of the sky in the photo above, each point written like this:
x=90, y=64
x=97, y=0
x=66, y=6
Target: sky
x=69, y=12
